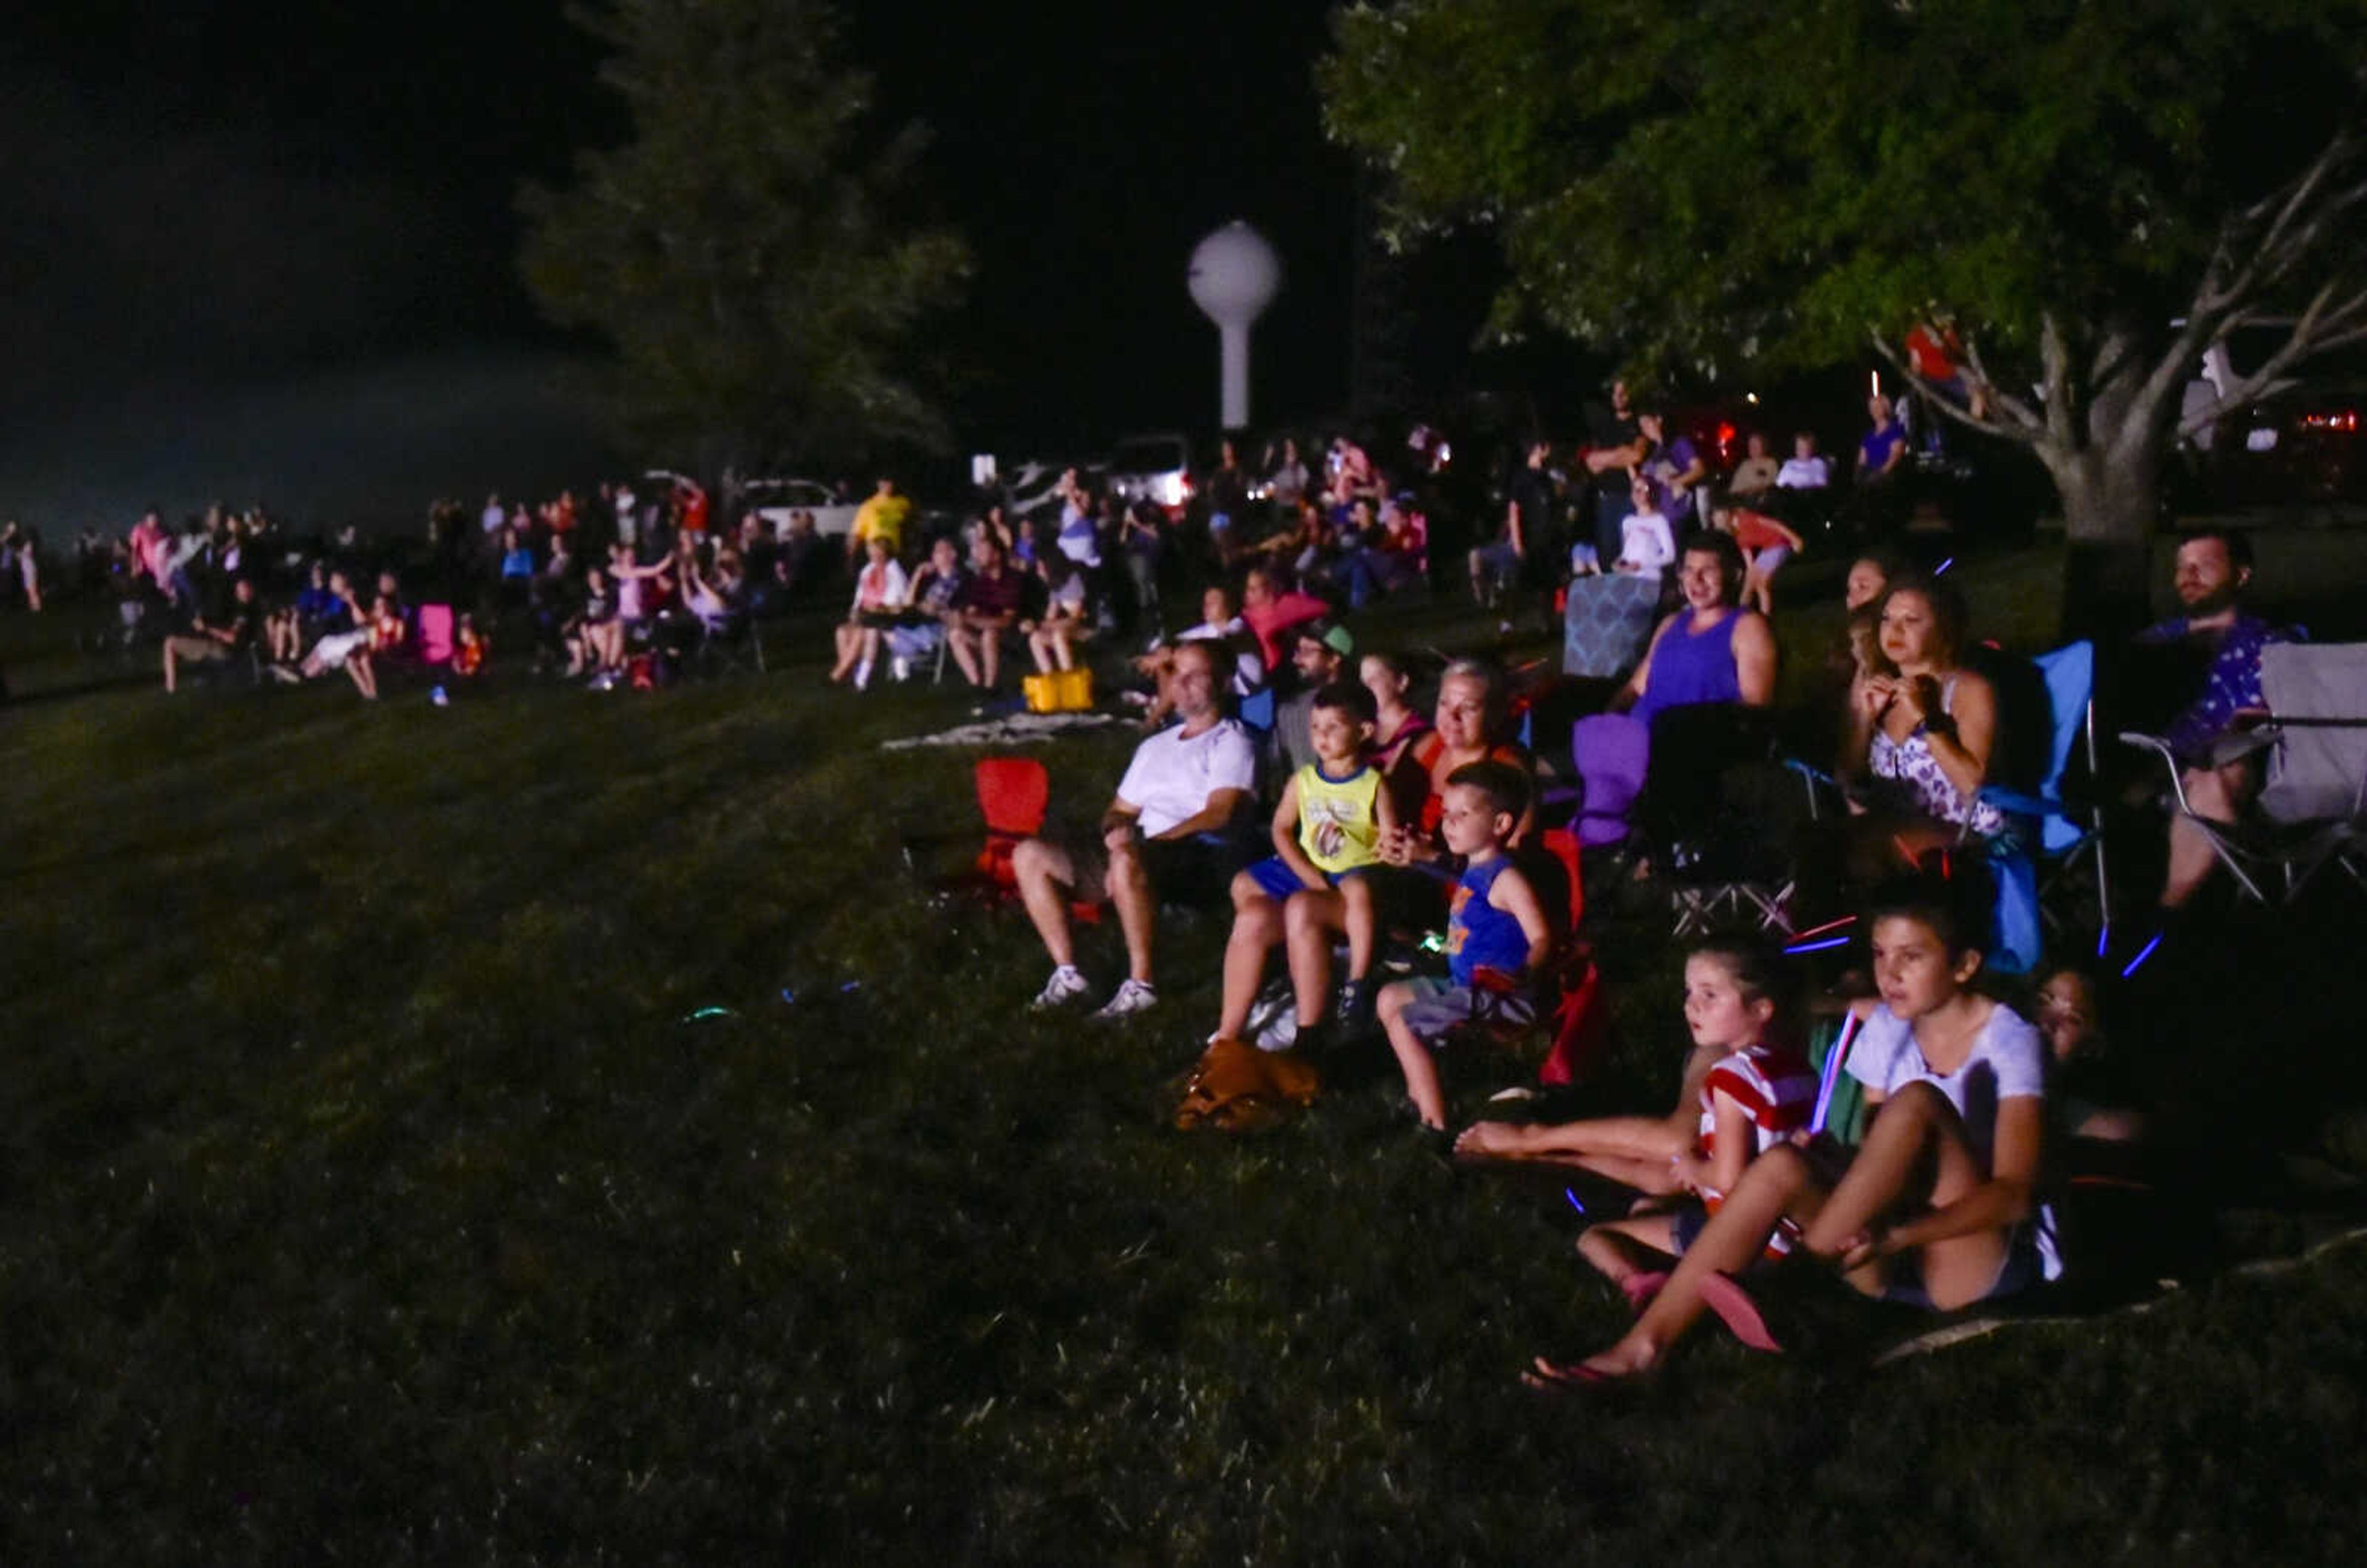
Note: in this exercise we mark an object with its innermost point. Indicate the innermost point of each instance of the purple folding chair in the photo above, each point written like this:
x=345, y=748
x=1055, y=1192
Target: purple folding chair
x=1611, y=752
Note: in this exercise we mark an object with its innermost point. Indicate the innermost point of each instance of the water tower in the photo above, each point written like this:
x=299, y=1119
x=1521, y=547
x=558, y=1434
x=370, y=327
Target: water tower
x=1233, y=276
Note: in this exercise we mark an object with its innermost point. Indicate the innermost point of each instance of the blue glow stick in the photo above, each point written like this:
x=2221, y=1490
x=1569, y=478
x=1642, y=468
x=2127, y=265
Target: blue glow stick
x=2103, y=940
x=1833, y=1060
x=1820, y=946
x=2143, y=954
x=1942, y=569
x=1574, y=1203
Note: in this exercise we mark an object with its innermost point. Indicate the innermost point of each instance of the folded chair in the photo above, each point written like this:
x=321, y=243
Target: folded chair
x=2312, y=809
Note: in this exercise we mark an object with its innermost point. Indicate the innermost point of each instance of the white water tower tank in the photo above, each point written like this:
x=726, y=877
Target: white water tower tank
x=1233, y=277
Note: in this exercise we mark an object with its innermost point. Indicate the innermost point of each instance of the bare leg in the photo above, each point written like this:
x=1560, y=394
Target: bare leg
x=1039, y=648
x=964, y=644
x=1046, y=874
x=365, y=678
x=1138, y=905
x=848, y=637
x=2215, y=794
x=1917, y=1131
x=1414, y=1060
x=1257, y=926
x=1619, y=1249
x=1644, y=1139
x=168, y=666
x=1309, y=919
x=990, y=655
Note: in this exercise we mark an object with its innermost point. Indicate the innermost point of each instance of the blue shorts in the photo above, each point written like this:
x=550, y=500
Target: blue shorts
x=1278, y=881
x=2022, y=1269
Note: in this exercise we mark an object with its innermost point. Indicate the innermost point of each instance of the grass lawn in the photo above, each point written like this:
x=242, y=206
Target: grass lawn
x=373, y=1189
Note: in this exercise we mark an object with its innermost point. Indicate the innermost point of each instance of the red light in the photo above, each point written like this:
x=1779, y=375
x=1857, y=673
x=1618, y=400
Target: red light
x=1725, y=433
x=2345, y=420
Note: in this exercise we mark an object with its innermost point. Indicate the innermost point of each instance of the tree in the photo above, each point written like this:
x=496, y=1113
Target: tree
x=742, y=251
x=2087, y=195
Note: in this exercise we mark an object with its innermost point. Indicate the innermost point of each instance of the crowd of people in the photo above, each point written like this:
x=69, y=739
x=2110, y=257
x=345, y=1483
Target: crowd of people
x=1349, y=820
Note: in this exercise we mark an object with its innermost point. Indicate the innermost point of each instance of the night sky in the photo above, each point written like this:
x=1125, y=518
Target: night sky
x=266, y=249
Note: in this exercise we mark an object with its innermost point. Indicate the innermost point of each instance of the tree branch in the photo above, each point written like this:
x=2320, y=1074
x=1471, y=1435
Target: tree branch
x=1937, y=398
x=2018, y=409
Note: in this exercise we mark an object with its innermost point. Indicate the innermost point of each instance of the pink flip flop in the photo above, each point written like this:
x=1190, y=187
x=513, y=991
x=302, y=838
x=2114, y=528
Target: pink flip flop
x=1549, y=1377
x=1639, y=1289
x=1738, y=1311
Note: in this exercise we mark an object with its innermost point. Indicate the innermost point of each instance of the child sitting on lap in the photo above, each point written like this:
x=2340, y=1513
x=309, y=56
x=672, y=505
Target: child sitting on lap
x=1494, y=922
x=1327, y=833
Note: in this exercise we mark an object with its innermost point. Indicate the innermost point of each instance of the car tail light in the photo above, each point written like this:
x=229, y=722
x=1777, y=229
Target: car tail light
x=2343, y=419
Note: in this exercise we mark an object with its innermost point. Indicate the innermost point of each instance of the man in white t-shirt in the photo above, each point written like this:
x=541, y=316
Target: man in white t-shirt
x=1167, y=834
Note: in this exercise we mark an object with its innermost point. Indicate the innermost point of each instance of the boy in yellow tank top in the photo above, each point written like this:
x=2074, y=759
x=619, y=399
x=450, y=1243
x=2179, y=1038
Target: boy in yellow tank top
x=1327, y=831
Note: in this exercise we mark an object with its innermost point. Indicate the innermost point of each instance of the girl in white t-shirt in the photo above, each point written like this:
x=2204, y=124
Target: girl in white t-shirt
x=1940, y=1204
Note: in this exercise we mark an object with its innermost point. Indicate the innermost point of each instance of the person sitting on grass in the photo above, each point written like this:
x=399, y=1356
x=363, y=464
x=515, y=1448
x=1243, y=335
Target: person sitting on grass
x=1327, y=834
x=1732, y=989
x=470, y=648
x=1167, y=834
x=1068, y=617
x=209, y=643
x=1939, y=1206
x=1494, y=922
x=344, y=643
x=1757, y=1094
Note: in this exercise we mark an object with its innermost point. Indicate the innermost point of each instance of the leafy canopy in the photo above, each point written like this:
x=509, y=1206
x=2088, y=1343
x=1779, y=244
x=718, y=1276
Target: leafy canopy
x=741, y=249
x=1701, y=183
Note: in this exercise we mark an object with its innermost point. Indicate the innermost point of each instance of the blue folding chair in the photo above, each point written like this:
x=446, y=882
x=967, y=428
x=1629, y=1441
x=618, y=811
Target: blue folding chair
x=2070, y=836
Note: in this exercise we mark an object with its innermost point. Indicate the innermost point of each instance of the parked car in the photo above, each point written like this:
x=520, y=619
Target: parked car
x=1156, y=468
x=773, y=500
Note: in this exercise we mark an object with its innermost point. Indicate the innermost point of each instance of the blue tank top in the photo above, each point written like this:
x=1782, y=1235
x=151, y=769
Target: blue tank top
x=1479, y=935
x=1692, y=666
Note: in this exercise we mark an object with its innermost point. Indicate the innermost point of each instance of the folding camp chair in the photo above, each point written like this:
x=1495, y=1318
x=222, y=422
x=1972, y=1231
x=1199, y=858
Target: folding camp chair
x=2312, y=810
x=1013, y=795
x=435, y=631
x=1576, y=1022
x=2070, y=838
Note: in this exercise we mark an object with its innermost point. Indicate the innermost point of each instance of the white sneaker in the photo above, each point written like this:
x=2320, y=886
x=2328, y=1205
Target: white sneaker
x=1065, y=986
x=1281, y=1033
x=1131, y=998
x=863, y=676
x=900, y=668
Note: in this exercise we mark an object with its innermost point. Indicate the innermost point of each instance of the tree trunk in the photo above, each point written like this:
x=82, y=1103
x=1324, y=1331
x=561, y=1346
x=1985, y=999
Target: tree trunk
x=2112, y=503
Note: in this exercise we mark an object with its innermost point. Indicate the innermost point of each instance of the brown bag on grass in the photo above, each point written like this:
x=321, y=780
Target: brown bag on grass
x=1238, y=1088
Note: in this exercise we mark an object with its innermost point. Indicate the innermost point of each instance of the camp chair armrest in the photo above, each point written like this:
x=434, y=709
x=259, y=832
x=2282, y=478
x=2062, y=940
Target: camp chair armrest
x=2014, y=803
x=2160, y=747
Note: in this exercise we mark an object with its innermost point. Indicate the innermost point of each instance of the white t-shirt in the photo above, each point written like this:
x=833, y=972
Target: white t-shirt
x=1646, y=543
x=1171, y=777
x=2008, y=1061
x=1804, y=473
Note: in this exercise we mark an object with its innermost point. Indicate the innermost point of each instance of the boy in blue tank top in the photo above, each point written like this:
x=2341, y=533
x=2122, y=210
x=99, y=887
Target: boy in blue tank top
x=1494, y=922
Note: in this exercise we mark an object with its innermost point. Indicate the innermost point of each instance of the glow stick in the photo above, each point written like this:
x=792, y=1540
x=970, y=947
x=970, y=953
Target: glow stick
x=2144, y=954
x=2103, y=940
x=1820, y=946
x=1574, y=1203
x=1942, y=569
x=1828, y=925
x=1833, y=1060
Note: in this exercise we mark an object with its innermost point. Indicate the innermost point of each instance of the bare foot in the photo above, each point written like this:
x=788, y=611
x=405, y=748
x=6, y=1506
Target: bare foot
x=1491, y=1140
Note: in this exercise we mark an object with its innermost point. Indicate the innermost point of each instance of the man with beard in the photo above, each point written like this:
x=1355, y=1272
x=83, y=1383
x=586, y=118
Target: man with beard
x=2215, y=567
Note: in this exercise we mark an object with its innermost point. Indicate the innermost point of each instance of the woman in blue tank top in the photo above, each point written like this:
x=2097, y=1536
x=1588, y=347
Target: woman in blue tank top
x=1711, y=650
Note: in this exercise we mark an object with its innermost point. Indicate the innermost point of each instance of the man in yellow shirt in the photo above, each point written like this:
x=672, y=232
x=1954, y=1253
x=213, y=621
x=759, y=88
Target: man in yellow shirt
x=882, y=516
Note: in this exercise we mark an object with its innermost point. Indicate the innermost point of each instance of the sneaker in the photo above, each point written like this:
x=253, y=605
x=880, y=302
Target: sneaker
x=1276, y=1000
x=1354, y=1010
x=863, y=676
x=1133, y=997
x=1065, y=986
x=900, y=668
x=1279, y=1034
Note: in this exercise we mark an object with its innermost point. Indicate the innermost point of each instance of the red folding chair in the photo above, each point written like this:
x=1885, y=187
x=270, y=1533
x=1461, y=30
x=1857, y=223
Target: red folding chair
x=1013, y=795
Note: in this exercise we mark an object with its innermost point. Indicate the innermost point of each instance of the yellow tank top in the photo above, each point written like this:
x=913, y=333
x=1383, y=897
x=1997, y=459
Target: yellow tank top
x=1340, y=820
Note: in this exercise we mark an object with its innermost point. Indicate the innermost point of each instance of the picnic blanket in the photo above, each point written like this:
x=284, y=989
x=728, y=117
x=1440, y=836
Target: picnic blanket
x=1010, y=729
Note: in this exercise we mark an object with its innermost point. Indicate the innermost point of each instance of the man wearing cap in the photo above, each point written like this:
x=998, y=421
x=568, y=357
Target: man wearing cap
x=1321, y=656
